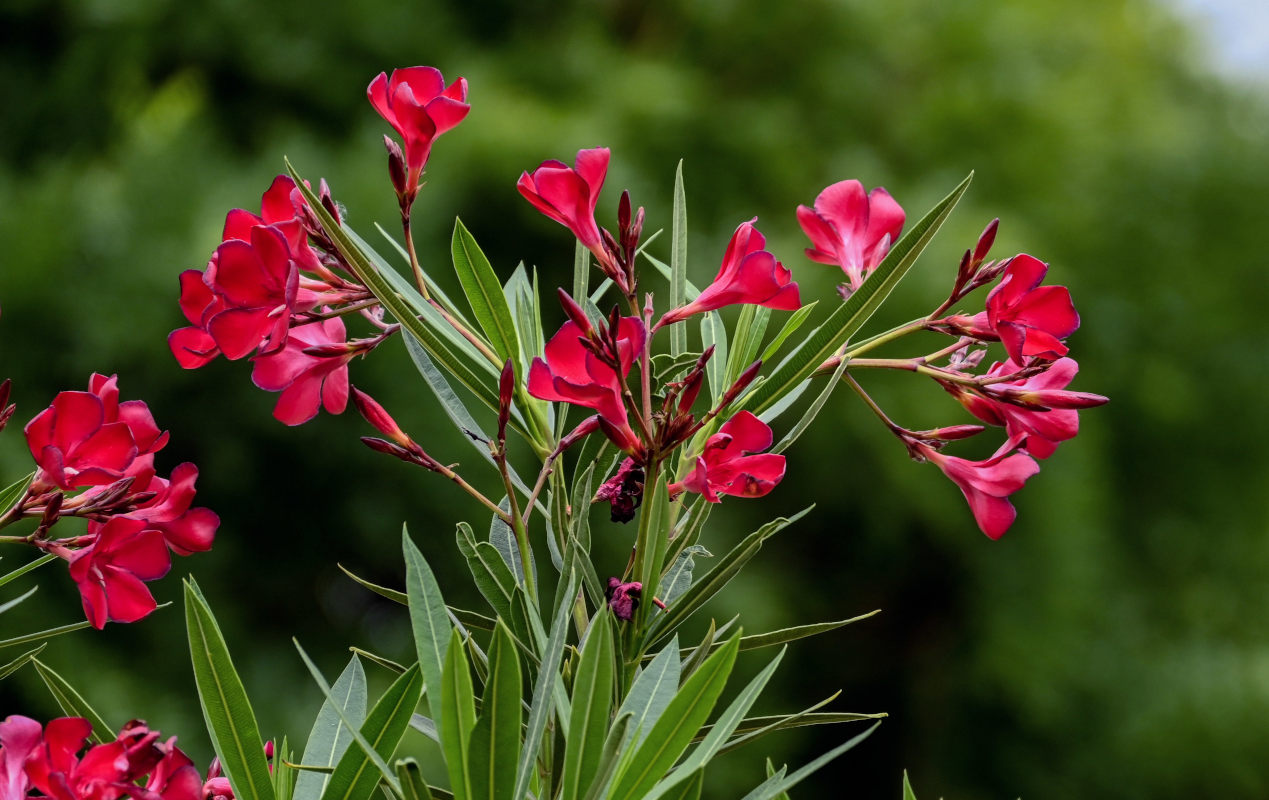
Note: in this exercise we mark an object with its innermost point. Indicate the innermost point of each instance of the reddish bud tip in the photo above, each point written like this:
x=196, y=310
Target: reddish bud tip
x=985, y=240
x=396, y=165
x=379, y=418
x=506, y=385
x=623, y=213
x=576, y=314
x=954, y=432
x=747, y=377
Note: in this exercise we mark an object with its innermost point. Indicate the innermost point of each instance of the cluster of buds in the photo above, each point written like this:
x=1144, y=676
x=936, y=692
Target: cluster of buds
x=94, y=459
x=55, y=761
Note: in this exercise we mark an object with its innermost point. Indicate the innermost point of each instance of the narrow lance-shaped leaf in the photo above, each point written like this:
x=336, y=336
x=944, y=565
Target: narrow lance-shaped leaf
x=428, y=620
x=542, y=705
x=329, y=738
x=231, y=723
x=652, y=692
x=678, y=259
x=28, y=638
x=20, y=662
x=746, y=338
x=714, y=333
x=484, y=294
x=72, y=702
x=791, y=325
x=459, y=703
x=355, y=775
x=413, y=787
x=495, y=741
x=5, y=606
x=908, y=794
x=678, y=724
x=812, y=412
x=592, y=704
x=775, y=789
x=581, y=271
x=825, y=340
x=12, y=493
x=679, y=576
x=27, y=567
x=610, y=757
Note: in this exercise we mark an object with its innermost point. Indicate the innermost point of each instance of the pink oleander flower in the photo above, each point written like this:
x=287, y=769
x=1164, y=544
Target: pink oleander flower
x=573, y=374
x=91, y=439
x=623, y=491
x=569, y=195
x=851, y=229
x=749, y=274
x=416, y=102
x=306, y=381
x=278, y=207
x=185, y=530
x=110, y=573
x=1052, y=417
x=19, y=737
x=986, y=484
x=194, y=346
x=256, y=284
x=733, y=462
x=1030, y=320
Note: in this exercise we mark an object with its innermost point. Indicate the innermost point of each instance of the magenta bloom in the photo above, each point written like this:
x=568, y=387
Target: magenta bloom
x=277, y=208
x=193, y=346
x=987, y=484
x=417, y=103
x=186, y=530
x=1037, y=431
x=91, y=439
x=569, y=195
x=851, y=229
x=749, y=274
x=257, y=283
x=111, y=571
x=19, y=737
x=306, y=382
x=1030, y=320
x=574, y=374
x=733, y=462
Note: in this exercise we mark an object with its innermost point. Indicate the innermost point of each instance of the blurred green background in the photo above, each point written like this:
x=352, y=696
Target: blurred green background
x=1113, y=645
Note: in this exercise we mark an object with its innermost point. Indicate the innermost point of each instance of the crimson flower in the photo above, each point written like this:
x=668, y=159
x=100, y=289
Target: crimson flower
x=306, y=382
x=623, y=598
x=1050, y=416
x=749, y=274
x=851, y=229
x=569, y=195
x=91, y=439
x=19, y=737
x=1030, y=320
x=110, y=572
x=185, y=530
x=623, y=491
x=416, y=102
x=733, y=462
x=574, y=374
x=986, y=484
x=256, y=283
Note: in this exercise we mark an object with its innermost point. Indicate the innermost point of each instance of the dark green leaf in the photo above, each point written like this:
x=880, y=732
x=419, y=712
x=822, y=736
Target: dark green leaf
x=5, y=606
x=592, y=705
x=413, y=787
x=751, y=326
x=714, y=332
x=14, y=492
x=27, y=638
x=484, y=293
x=328, y=738
x=19, y=662
x=791, y=325
x=34, y=563
x=774, y=790
x=355, y=776
x=428, y=620
x=230, y=721
x=72, y=703
x=495, y=741
x=679, y=576
x=493, y=577
x=812, y=412
x=652, y=692
x=678, y=259
x=458, y=701
x=542, y=704
x=908, y=794
x=375, y=658
x=610, y=757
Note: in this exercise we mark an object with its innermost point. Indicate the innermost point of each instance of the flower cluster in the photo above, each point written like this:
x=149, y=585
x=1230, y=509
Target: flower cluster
x=56, y=763
x=95, y=460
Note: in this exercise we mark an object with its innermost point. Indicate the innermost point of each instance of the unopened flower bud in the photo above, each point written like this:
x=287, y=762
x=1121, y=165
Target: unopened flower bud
x=506, y=385
x=587, y=427
x=623, y=214
x=985, y=240
x=328, y=202
x=382, y=446
x=747, y=377
x=952, y=432
x=379, y=418
x=576, y=314
x=396, y=165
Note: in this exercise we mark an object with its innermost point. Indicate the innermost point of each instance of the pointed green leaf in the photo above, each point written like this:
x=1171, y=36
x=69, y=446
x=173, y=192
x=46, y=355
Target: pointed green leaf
x=714, y=332
x=542, y=704
x=679, y=576
x=678, y=259
x=771, y=773
x=231, y=723
x=72, y=703
x=284, y=774
x=413, y=787
x=610, y=757
x=581, y=271
x=850, y=316
x=382, y=661
x=329, y=739
x=495, y=741
x=652, y=692
x=592, y=705
x=492, y=576
x=798, y=632
x=503, y=538
x=5, y=606
x=428, y=620
x=677, y=725
x=690, y=290
x=458, y=701
x=35, y=563
x=718, y=577
x=751, y=326
x=28, y=638
x=908, y=794
x=14, y=492
x=757, y=727
x=812, y=412
x=20, y=662
x=772, y=791
x=355, y=775
x=687, y=790
x=791, y=326
x=484, y=294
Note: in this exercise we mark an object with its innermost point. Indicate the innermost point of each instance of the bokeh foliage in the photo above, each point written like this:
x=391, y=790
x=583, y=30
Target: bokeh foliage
x=1112, y=645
